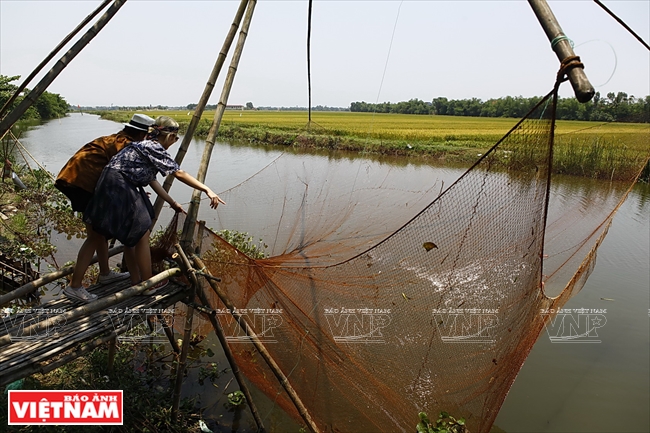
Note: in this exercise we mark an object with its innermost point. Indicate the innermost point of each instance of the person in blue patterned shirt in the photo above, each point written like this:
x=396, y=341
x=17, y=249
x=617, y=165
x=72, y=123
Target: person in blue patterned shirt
x=121, y=209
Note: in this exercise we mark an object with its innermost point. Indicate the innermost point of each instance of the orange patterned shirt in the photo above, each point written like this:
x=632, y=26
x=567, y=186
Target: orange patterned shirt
x=85, y=166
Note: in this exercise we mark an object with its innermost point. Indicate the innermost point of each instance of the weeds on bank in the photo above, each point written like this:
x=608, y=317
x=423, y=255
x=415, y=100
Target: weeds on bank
x=40, y=210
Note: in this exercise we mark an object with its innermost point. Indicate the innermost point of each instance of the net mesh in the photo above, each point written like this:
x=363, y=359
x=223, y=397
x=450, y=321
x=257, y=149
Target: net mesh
x=374, y=320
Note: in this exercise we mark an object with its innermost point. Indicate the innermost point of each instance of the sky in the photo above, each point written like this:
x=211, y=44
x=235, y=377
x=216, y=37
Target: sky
x=162, y=52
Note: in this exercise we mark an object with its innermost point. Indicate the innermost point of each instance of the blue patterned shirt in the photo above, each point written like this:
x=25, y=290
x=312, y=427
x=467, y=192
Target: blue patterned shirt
x=141, y=161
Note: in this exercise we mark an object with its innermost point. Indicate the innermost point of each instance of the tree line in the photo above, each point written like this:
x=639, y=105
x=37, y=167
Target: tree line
x=47, y=106
x=615, y=107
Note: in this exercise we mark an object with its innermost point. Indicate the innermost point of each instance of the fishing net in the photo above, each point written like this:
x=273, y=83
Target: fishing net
x=373, y=319
x=162, y=245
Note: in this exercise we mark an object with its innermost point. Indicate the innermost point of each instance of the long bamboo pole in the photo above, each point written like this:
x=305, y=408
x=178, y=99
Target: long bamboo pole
x=185, y=266
x=50, y=56
x=190, y=220
x=94, y=306
x=250, y=332
x=14, y=115
x=203, y=101
x=231, y=359
x=48, y=278
x=583, y=89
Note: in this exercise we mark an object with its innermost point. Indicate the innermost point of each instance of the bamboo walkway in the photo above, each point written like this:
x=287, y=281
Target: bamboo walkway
x=43, y=339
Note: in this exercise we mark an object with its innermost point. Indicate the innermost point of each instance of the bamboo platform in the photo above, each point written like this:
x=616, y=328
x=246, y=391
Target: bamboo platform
x=66, y=340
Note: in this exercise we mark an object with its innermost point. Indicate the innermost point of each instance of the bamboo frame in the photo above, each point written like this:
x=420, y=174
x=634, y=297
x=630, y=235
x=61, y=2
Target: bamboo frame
x=94, y=306
x=14, y=115
x=185, y=266
x=56, y=49
x=44, y=364
x=275, y=368
x=192, y=213
x=203, y=101
x=231, y=359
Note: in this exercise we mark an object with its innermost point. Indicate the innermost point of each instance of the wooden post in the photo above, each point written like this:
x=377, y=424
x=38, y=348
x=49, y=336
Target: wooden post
x=14, y=115
x=583, y=89
x=198, y=112
x=169, y=333
x=275, y=368
x=190, y=220
x=65, y=40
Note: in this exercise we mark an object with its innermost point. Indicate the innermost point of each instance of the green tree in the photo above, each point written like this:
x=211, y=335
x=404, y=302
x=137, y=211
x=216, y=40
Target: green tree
x=47, y=106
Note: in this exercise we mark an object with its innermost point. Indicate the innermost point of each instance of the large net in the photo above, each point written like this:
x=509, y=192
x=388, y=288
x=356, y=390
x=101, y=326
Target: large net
x=373, y=319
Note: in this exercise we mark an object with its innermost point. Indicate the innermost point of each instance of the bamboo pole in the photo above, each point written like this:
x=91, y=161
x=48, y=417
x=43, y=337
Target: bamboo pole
x=231, y=358
x=94, y=306
x=190, y=220
x=48, y=278
x=169, y=333
x=275, y=368
x=583, y=89
x=203, y=101
x=186, y=267
x=51, y=55
x=14, y=115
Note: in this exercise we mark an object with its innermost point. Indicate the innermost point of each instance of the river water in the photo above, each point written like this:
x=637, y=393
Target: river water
x=562, y=387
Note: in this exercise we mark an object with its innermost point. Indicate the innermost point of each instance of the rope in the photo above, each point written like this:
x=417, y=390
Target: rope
x=383, y=75
x=31, y=156
x=555, y=41
x=621, y=22
x=566, y=65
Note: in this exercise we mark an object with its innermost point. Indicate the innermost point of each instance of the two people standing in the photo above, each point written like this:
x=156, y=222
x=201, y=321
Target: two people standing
x=119, y=208
x=77, y=180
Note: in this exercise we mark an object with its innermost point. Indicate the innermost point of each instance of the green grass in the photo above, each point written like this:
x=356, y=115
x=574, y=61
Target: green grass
x=592, y=149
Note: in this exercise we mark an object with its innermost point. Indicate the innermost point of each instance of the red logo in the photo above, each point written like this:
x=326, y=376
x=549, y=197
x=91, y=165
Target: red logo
x=65, y=407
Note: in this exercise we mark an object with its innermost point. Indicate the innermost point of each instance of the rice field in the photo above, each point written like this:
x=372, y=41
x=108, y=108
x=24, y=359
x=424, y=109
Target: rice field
x=593, y=149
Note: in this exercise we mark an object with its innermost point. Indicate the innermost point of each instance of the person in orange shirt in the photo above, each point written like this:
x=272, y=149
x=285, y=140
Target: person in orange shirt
x=77, y=181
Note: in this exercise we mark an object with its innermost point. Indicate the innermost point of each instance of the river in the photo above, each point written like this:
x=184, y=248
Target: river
x=561, y=387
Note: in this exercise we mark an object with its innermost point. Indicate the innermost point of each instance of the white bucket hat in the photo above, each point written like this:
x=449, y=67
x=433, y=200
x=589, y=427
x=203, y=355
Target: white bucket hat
x=141, y=122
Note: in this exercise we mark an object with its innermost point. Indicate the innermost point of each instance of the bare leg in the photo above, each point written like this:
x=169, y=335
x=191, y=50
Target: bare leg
x=94, y=242
x=143, y=257
x=102, y=251
x=132, y=264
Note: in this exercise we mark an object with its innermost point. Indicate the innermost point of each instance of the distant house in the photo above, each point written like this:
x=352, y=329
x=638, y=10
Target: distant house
x=235, y=107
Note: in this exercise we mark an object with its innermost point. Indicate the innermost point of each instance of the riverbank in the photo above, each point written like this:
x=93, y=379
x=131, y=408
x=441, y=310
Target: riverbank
x=614, y=151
